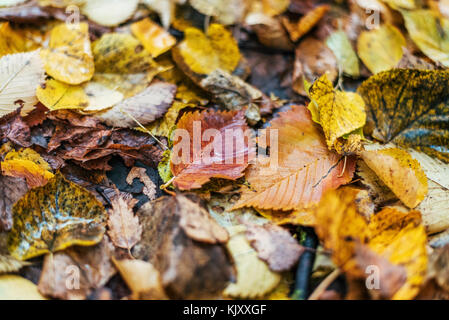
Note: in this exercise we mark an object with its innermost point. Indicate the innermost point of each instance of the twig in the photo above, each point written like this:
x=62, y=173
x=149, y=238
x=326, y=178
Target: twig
x=324, y=284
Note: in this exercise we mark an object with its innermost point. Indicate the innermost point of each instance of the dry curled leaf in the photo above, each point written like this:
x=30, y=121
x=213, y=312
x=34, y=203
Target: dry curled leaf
x=149, y=188
x=53, y=217
x=302, y=167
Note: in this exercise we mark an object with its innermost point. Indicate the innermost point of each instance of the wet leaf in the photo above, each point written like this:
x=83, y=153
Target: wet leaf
x=21, y=73
x=409, y=108
x=69, y=57
x=301, y=169
x=53, y=217
x=340, y=112
x=381, y=49
x=194, y=167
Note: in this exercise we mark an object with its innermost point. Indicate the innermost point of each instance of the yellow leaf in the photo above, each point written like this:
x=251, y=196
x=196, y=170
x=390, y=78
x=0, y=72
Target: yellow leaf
x=12, y=41
x=155, y=39
x=347, y=60
x=254, y=278
x=400, y=172
x=430, y=32
x=340, y=112
x=164, y=126
x=404, y=4
x=14, y=287
x=28, y=164
x=203, y=53
x=57, y=95
x=224, y=11
x=53, y=217
x=381, y=49
x=127, y=84
x=69, y=57
x=121, y=53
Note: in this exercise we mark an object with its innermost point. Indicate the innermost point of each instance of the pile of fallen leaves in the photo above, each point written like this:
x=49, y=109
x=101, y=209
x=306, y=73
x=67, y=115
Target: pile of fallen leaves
x=345, y=102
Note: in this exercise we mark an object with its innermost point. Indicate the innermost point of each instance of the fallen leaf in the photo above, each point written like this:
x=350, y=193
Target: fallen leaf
x=124, y=228
x=254, y=278
x=342, y=48
x=400, y=172
x=14, y=287
x=73, y=273
x=57, y=95
x=274, y=245
x=69, y=57
x=408, y=107
x=271, y=33
x=21, y=73
x=143, y=108
x=13, y=41
x=225, y=11
x=156, y=40
x=142, y=279
x=340, y=112
x=9, y=264
x=430, y=32
x=51, y=218
x=313, y=59
x=304, y=168
x=164, y=8
x=14, y=129
x=381, y=49
x=200, y=54
x=165, y=125
x=28, y=164
x=11, y=190
x=109, y=12
x=193, y=165
x=189, y=269
x=121, y=53
x=305, y=23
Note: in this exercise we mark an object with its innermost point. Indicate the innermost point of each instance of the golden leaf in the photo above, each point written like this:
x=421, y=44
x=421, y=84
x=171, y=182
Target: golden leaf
x=28, y=164
x=203, y=53
x=14, y=287
x=381, y=49
x=12, y=41
x=53, y=217
x=69, y=57
x=400, y=172
x=306, y=23
x=340, y=112
x=155, y=39
x=56, y=95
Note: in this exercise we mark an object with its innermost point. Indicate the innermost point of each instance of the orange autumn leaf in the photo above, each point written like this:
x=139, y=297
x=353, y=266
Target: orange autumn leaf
x=155, y=39
x=204, y=150
x=400, y=172
x=27, y=164
x=306, y=23
x=305, y=167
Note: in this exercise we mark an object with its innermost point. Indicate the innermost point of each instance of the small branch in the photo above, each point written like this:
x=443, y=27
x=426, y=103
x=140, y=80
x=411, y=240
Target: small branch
x=325, y=284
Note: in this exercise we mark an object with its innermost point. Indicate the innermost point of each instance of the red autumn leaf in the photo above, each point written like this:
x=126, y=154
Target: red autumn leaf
x=205, y=149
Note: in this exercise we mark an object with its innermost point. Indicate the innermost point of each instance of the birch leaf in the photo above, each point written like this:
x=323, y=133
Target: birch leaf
x=21, y=74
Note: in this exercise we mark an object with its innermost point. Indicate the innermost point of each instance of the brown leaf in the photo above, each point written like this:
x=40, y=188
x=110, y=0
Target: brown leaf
x=124, y=228
x=74, y=272
x=275, y=245
x=143, y=108
x=215, y=159
x=14, y=129
x=11, y=190
x=189, y=269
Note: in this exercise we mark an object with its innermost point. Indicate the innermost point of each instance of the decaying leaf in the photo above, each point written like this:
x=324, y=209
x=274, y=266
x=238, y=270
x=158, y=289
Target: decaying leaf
x=149, y=188
x=69, y=57
x=302, y=168
x=92, y=266
x=254, y=278
x=195, y=162
x=21, y=74
x=124, y=228
x=28, y=164
x=53, y=217
x=340, y=113
x=189, y=269
x=381, y=49
x=11, y=190
x=400, y=172
x=155, y=39
x=274, y=245
x=143, y=108
x=109, y=12
x=142, y=278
